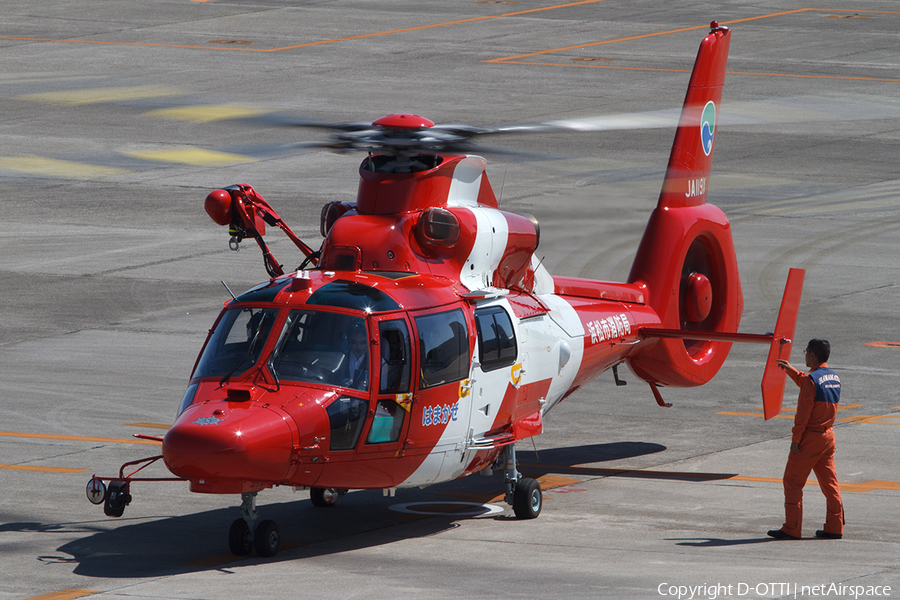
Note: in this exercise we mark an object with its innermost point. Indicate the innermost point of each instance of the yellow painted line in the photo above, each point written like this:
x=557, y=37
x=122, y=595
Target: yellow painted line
x=101, y=95
x=206, y=113
x=41, y=469
x=39, y=165
x=640, y=473
x=149, y=425
x=65, y=594
x=196, y=157
x=75, y=438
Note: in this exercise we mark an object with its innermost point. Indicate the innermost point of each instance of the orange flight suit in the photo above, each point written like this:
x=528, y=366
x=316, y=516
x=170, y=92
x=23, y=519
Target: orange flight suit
x=814, y=433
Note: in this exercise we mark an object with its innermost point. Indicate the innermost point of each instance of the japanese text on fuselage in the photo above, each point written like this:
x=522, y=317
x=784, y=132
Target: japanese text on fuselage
x=616, y=326
x=439, y=415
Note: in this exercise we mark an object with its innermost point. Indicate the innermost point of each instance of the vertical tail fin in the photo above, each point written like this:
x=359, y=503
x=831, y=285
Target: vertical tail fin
x=687, y=175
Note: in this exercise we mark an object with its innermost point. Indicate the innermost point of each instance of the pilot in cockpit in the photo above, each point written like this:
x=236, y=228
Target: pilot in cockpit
x=357, y=373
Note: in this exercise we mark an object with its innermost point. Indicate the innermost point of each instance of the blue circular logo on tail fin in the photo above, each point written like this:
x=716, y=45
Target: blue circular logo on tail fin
x=708, y=127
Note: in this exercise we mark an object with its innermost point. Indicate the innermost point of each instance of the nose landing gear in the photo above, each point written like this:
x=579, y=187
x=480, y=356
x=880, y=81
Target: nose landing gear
x=243, y=537
x=114, y=497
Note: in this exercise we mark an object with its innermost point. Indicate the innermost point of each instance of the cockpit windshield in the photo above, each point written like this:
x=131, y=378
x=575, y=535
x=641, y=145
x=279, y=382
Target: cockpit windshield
x=323, y=347
x=236, y=343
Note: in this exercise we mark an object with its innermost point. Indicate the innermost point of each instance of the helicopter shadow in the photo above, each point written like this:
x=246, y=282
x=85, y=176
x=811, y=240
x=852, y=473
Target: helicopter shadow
x=150, y=546
x=153, y=547
x=579, y=458
x=580, y=455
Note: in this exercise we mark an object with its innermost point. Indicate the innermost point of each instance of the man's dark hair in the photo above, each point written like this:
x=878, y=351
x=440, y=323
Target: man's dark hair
x=821, y=348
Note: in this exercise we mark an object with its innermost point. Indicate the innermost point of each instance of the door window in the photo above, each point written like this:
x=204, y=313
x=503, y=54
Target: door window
x=347, y=415
x=394, y=376
x=496, y=338
x=395, y=367
x=443, y=348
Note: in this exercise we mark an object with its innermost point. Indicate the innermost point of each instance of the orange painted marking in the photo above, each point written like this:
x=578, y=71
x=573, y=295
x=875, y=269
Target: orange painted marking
x=749, y=414
x=793, y=410
x=884, y=344
x=320, y=42
x=41, y=469
x=149, y=425
x=515, y=59
x=547, y=481
x=878, y=419
x=75, y=438
x=641, y=37
x=65, y=594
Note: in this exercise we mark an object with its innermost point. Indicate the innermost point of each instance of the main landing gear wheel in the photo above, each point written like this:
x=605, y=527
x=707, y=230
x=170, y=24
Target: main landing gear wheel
x=325, y=496
x=523, y=493
x=267, y=539
x=527, y=499
x=239, y=540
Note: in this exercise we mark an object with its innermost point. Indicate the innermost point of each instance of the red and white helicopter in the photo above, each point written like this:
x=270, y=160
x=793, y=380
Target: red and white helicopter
x=424, y=339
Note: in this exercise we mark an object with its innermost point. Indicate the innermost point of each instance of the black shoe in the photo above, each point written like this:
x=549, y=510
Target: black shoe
x=824, y=535
x=779, y=534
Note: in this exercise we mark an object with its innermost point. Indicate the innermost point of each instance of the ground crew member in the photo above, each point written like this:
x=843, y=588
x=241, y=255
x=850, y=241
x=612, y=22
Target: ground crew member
x=812, y=444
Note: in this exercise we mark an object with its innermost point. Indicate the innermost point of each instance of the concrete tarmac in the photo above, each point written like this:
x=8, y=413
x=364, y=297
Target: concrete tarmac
x=114, y=131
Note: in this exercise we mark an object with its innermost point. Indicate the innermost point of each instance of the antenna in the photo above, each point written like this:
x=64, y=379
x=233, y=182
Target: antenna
x=233, y=297
x=502, y=183
x=534, y=271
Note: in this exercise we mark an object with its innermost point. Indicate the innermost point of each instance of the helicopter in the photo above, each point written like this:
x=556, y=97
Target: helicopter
x=424, y=338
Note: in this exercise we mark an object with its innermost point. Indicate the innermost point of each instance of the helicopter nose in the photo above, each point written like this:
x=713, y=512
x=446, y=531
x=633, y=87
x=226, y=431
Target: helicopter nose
x=251, y=443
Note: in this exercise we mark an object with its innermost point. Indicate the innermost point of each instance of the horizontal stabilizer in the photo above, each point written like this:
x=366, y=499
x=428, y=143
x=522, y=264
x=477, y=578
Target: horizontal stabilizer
x=780, y=342
x=774, y=378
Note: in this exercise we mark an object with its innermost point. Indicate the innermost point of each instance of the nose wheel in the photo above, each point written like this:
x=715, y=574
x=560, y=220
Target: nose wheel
x=245, y=536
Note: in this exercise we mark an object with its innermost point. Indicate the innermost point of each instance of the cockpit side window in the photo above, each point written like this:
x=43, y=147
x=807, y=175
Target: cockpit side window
x=443, y=348
x=237, y=341
x=323, y=347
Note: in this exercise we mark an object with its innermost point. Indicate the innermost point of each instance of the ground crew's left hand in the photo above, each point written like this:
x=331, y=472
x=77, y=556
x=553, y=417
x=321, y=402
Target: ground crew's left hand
x=795, y=447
